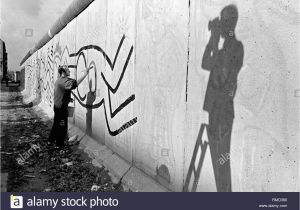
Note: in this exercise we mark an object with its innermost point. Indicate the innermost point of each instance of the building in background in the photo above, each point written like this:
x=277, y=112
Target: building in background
x=17, y=76
x=3, y=60
x=11, y=75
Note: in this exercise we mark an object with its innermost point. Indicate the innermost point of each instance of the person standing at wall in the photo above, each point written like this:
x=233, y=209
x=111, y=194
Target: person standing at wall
x=224, y=65
x=62, y=96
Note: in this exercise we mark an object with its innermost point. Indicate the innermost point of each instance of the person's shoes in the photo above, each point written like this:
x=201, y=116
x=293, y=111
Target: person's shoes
x=73, y=140
x=62, y=152
x=50, y=144
x=60, y=146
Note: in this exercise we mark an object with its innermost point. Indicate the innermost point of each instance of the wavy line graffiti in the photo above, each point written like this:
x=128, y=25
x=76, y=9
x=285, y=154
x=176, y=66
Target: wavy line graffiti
x=46, y=80
x=111, y=89
x=59, y=56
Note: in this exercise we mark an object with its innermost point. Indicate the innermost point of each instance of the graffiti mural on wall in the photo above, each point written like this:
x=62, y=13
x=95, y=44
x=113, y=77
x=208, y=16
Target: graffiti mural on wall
x=47, y=76
x=32, y=77
x=29, y=78
x=58, y=57
x=110, y=88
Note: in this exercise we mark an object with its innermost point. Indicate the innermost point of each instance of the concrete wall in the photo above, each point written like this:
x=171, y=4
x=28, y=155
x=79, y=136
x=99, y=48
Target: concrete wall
x=144, y=97
x=22, y=80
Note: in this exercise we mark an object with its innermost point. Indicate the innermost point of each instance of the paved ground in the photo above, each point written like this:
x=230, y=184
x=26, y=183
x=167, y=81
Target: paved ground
x=26, y=162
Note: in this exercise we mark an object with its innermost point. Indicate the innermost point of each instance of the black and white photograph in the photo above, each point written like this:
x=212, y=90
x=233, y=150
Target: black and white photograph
x=130, y=96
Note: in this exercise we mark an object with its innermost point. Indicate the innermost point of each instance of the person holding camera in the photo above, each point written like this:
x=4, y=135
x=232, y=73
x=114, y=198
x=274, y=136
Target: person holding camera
x=62, y=97
x=224, y=64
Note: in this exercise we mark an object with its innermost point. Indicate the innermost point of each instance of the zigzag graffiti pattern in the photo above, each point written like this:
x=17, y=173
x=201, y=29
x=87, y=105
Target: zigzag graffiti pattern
x=81, y=98
x=110, y=88
x=45, y=83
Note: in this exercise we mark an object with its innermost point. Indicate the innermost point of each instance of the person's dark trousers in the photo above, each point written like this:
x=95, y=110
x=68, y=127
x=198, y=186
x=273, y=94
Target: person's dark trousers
x=59, y=129
x=219, y=142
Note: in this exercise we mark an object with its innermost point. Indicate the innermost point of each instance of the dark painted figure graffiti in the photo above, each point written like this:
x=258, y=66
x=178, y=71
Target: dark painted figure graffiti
x=224, y=65
x=91, y=97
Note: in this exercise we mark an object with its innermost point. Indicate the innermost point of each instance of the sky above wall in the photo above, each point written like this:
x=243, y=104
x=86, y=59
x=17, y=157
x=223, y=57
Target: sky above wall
x=24, y=22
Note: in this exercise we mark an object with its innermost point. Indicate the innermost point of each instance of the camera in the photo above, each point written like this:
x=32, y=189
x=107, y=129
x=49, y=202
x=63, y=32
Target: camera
x=214, y=24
